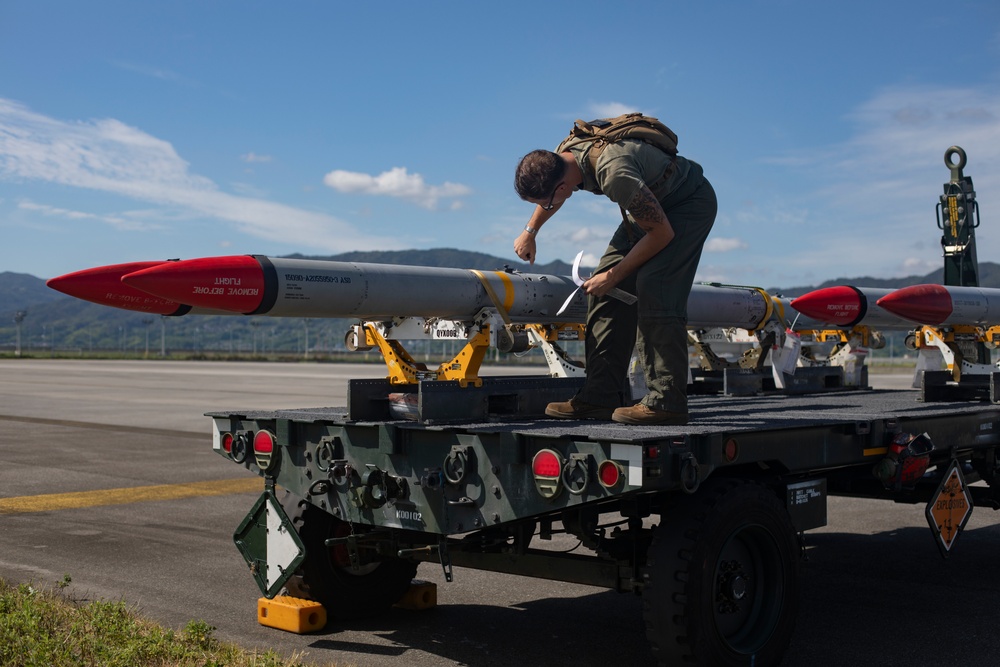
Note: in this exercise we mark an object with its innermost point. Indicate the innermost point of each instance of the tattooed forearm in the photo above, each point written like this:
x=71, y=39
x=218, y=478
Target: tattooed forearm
x=645, y=209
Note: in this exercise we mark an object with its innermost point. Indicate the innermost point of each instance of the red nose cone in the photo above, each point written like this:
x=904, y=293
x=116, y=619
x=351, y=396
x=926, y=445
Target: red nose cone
x=103, y=285
x=234, y=283
x=833, y=305
x=926, y=304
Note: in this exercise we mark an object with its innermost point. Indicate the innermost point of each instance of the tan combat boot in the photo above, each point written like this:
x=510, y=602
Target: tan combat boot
x=576, y=409
x=643, y=414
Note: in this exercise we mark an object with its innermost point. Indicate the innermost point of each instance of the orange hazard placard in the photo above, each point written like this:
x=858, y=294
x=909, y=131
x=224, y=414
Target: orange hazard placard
x=950, y=508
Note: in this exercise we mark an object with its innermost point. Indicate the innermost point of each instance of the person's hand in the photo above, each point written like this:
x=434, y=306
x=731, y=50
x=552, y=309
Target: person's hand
x=600, y=284
x=524, y=247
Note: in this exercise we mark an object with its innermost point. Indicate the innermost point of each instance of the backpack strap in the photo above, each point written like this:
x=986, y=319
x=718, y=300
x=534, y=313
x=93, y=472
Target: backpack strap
x=600, y=133
x=584, y=132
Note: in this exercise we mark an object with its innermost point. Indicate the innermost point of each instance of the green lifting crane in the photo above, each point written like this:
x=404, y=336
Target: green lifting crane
x=958, y=217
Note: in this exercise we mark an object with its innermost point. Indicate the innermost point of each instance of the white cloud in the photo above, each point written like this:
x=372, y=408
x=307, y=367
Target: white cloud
x=396, y=182
x=247, y=189
x=578, y=235
x=118, y=222
x=566, y=237
x=902, y=126
x=898, y=147
x=919, y=266
x=722, y=244
x=897, y=162
x=109, y=156
x=859, y=207
x=253, y=157
x=601, y=207
x=609, y=109
x=152, y=72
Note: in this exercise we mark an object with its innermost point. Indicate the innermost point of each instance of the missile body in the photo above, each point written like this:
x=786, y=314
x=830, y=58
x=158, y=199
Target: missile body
x=103, y=285
x=714, y=306
x=276, y=287
x=945, y=304
x=848, y=306
x=717, y=306
x=279, y=287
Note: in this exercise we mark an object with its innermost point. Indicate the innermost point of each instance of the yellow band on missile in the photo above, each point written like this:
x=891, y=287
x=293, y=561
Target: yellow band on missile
x=770, y=306
x=508, y=290
x=778, y=308
x=504, y=307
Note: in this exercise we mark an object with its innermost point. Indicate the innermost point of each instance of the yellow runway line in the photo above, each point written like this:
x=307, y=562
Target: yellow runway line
x=80, y=499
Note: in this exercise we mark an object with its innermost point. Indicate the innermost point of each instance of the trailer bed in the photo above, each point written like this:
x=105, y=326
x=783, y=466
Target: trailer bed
x=710, y=415
x=786, y=435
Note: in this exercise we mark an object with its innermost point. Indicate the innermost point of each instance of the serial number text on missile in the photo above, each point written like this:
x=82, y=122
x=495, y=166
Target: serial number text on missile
x=317, y=278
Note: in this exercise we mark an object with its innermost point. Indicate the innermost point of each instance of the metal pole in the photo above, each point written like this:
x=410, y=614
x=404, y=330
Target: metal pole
x=146, y=321
x=18, y=318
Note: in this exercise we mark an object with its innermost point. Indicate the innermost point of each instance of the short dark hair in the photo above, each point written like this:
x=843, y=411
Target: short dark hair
x=538, y=173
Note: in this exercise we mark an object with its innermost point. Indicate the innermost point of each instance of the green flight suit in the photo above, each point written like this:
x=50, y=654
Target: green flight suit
x=656, y=325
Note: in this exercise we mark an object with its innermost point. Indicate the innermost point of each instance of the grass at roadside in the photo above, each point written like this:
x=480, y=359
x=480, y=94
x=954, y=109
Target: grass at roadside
x=41, y=627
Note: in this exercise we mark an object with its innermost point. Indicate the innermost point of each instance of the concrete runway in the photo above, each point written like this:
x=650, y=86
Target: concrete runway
x=875, y=590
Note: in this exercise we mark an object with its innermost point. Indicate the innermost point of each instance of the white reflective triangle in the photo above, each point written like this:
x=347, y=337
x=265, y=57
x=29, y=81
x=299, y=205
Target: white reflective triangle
x=281, y=547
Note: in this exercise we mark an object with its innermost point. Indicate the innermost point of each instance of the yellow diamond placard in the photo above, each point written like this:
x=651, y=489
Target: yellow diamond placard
x=950, y=508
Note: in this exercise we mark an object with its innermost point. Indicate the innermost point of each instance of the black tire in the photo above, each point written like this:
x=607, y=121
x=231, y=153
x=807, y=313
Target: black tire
x=326, y=576
x=721, y=581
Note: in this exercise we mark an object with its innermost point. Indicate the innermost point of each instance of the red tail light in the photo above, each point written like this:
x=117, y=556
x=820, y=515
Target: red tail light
x=263, y=449
x=547, y=469
x=610, y=474
x=227, y=442
x=547, y=463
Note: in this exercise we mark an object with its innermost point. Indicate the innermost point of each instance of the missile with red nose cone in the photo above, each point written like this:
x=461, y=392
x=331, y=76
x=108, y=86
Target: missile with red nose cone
x=848, y=306
x=283, y=287
x=103, y=285
x=315, y=288
x=945, y=304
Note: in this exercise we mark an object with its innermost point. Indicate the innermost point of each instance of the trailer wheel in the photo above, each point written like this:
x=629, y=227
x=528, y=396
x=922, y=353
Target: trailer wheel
x=326, y=575
x=721, y=578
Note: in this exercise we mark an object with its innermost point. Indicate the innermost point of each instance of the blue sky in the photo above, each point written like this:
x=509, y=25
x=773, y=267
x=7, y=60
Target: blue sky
x=150, y=130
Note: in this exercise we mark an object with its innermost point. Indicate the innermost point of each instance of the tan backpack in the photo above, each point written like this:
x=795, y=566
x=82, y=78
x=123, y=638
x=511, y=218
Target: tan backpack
x=606, y=131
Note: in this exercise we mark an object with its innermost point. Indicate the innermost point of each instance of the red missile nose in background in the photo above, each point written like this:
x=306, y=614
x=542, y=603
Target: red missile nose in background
x=833, y=305
x=926, y=304
x=234, y=283
x=103, y=285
